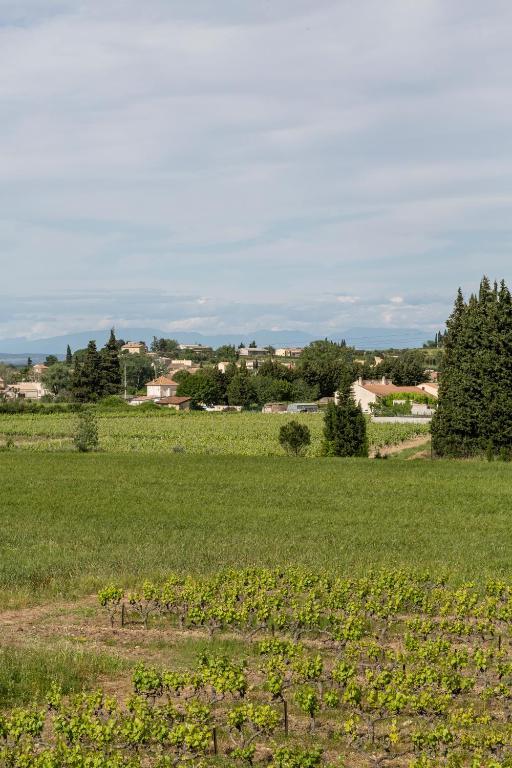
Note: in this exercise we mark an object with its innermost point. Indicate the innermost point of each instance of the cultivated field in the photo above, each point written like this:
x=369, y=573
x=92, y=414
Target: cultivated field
x=147, y=431
x=328, y=657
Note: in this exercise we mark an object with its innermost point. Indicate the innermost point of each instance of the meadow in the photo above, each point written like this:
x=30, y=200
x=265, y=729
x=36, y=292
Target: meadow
x=143, y=430
x=71, y=522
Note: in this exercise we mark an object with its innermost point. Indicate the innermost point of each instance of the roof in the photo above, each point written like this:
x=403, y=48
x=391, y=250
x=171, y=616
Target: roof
x=141, y=397
x=162, y=381
x=173, y=400
x=134, y=344
x=388, y=389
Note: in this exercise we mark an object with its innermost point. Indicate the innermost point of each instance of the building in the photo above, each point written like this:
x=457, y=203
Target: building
x=38, y=370
x=26, y=390
x=197, y=348
x=275, y=408
x=178, y=403
x=161, y=387
x=302, y=408
x=253, y=351
x=182, y=363
x=172, y=370
x=134, y=348
x=430, y=388
x=367, y=392
x=141, y=400
x=289, y=352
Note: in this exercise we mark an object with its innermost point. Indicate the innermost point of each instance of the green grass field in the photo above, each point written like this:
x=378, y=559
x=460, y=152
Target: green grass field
x=148, y=431
x=72, y=522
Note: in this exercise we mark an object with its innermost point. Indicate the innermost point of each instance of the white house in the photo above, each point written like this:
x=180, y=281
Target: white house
x=367, y=392
x=161, y=387
x=134, y=347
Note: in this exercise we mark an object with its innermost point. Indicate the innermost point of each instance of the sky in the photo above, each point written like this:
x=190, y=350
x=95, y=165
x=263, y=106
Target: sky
x=234, y=165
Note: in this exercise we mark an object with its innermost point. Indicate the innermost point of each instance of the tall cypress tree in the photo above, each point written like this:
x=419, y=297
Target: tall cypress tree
x=110, y=367
x=86, y=384
x=69, y=356
x=475, y=404
x=345, y=425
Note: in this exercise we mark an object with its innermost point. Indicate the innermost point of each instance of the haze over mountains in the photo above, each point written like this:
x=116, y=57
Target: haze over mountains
x=362, y=338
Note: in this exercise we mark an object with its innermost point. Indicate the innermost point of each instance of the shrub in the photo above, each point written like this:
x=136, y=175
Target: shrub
x=86, y=433
x=345, y=428
x=294, y=438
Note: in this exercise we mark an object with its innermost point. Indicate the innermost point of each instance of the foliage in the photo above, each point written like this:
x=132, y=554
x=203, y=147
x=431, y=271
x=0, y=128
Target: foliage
x=405, y=369
x=86, y=432
x=86, y=383
x=57, y=379
x=110, y=370
x=207, y=386
x=345, y=426
x=294, y=437
x=151, y=429
x=475, y=398
x=72, y=528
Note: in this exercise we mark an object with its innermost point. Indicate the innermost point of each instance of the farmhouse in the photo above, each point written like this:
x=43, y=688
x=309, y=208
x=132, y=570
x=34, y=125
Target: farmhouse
x=134, y=348
x=367, y=392
x=161, y=387
x=195, y=348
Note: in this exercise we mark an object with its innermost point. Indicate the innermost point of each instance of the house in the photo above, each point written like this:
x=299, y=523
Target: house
x=367, y=392
x=172, y=370
x=302, y=408
x=38, y=370
x=289, y=352
x=253, y=351
x=26, y=390
x=182, y=363
x=430, y=388
x=161, y=387
x=134, y=348
x=275, y=408
x=223, y=366
x=178, y=403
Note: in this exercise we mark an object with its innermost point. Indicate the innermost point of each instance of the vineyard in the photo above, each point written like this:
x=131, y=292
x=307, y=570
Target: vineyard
x=393, y=668
x=247, y=434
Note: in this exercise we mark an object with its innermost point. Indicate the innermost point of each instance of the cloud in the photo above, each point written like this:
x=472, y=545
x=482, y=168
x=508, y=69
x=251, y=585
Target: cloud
x=263, y=155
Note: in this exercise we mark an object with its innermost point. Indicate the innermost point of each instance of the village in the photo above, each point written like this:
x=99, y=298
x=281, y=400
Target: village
x=377, y=396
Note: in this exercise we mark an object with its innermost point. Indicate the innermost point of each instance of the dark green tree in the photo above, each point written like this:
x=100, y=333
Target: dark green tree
x=86, y=384
x=207, y=386
x=51, y=360
x=294, y=438
x=475, y=401
x=110, y=367
x=345, y=426
x=69, y=355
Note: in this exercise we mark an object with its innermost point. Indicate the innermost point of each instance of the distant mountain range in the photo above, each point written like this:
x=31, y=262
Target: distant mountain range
x=11, y=350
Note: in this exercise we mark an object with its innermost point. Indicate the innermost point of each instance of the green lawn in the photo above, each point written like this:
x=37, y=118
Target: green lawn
x=70, y=522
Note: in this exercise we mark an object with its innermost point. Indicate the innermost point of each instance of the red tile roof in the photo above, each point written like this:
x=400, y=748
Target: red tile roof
x=389, y=389
x=162, y=381
x=173, y=400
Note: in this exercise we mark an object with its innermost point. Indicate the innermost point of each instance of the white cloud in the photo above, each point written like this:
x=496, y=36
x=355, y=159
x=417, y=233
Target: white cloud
x=264, y=152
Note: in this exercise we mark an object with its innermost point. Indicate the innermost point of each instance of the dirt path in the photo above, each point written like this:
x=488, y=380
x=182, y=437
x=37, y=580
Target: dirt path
x=390, y=450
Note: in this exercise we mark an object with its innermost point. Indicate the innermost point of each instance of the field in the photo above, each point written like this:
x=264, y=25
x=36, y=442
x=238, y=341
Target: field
x=329, y=657
x=147, y=431
x=69, y=522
